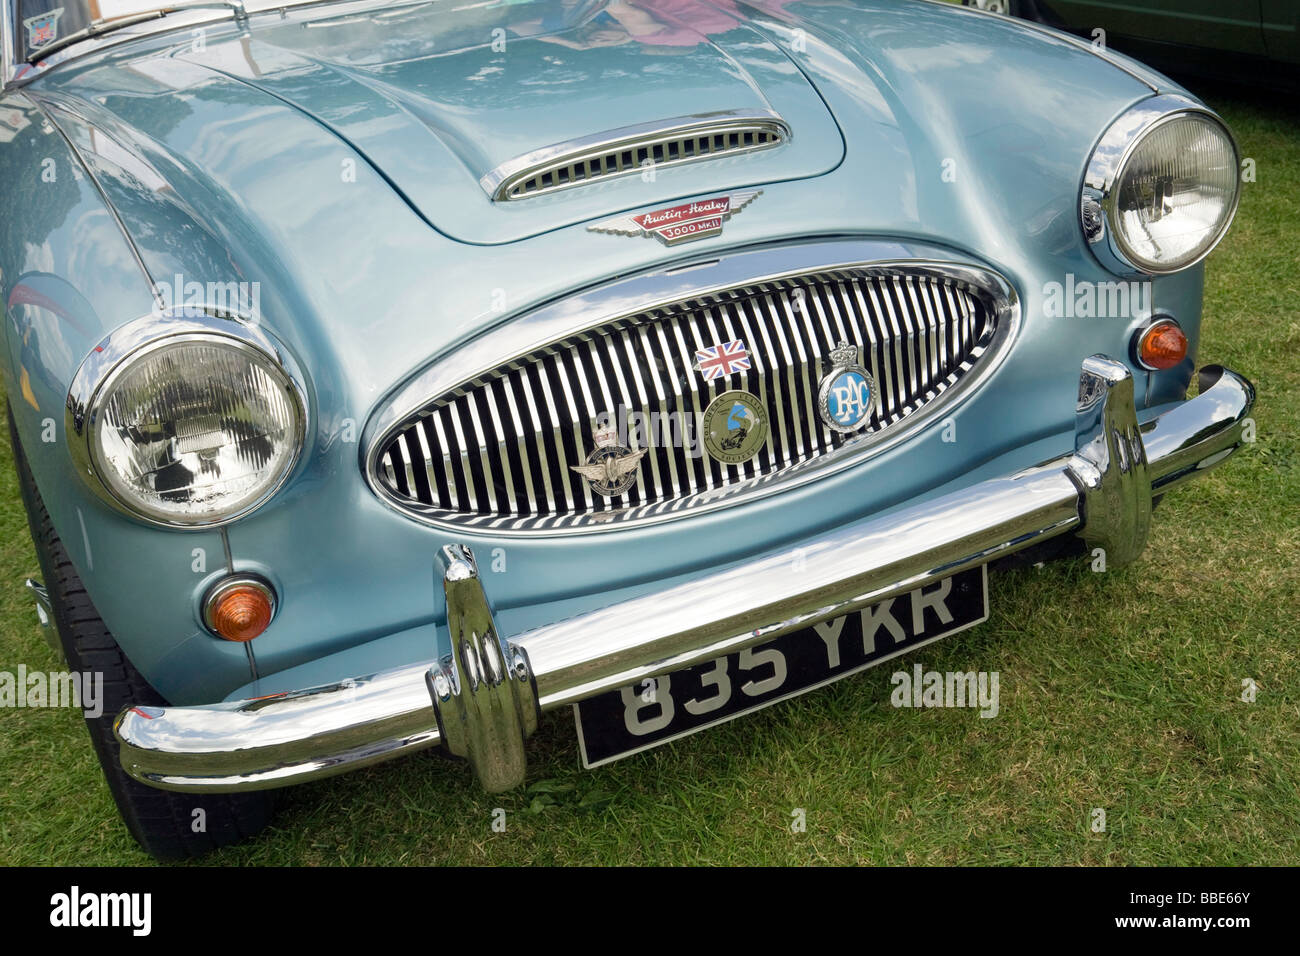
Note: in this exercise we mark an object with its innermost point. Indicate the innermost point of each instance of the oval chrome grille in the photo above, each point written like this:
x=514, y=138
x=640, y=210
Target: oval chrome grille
x=497, y=452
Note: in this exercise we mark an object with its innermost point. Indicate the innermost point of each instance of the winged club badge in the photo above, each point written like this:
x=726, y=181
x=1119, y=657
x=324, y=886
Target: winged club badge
x=611, y=468
x=684, y=223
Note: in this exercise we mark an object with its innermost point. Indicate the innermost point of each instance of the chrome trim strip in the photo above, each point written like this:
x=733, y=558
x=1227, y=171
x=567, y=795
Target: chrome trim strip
x=237, y=6
x=501, y=182
x=307, y=734
x=1097, y=194
x=8, y=39
x=508, y=344
x=132, y=340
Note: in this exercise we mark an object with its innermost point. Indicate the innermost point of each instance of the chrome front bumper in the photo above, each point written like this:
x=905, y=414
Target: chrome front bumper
x=482, y=699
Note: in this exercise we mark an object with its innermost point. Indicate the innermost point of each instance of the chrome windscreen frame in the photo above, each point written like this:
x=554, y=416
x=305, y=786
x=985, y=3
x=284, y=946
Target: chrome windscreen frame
x=14, y=72
x=583, y=311
x=8, y=38
x=1098, y=194
x=135, y=339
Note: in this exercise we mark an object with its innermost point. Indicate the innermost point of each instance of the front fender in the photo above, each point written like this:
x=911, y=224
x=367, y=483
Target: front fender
x=68, y=276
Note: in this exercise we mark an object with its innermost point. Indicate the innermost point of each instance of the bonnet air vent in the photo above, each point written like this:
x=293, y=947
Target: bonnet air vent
x=631, y=149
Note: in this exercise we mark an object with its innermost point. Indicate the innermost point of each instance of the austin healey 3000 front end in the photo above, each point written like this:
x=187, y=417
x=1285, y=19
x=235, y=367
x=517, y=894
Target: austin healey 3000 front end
x=384, y=375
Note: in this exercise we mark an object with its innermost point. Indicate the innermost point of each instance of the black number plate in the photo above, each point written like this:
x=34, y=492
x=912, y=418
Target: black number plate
x=660, y=709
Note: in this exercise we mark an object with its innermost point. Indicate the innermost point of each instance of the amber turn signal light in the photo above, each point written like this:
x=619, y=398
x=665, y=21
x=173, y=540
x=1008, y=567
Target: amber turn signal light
x=239, y=608
x=1161, y=345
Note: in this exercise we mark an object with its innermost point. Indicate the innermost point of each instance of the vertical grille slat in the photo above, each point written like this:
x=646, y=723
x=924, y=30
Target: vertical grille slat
x=569, y=434
x=688, y=340
x=624, y=399
x=554, y=437
x=490, y=472
x=662, y=450
x=805, y=338
x=537, y=444
x=461, y=466
x=763, y=358
x=498, y=450
x=507, y=450
x=786, y=358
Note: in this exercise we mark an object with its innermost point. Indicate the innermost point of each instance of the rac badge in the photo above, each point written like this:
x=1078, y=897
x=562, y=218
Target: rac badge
x=735, y=427
x=611, y=468
x=684, y=223
x=848, y=394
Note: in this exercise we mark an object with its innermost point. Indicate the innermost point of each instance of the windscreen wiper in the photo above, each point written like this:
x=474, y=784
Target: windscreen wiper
x=98, y=27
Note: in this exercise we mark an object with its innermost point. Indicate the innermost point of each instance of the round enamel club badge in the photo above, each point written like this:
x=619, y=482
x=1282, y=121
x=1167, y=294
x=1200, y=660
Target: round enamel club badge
x=735, y=427
x=847, y=396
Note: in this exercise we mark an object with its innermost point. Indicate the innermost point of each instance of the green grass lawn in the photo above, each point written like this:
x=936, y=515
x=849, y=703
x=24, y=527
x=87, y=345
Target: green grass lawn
x=1119, y=691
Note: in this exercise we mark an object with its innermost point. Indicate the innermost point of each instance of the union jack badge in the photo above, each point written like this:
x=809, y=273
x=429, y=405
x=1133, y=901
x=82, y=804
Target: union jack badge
x=719, y=361
x=685, y=223
x=43, y=30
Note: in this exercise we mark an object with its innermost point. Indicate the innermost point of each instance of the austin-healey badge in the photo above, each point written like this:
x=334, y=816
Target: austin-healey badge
x=689, y=221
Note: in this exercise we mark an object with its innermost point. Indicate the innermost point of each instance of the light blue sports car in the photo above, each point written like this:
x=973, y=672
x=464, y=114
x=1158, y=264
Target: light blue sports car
x=385, y=374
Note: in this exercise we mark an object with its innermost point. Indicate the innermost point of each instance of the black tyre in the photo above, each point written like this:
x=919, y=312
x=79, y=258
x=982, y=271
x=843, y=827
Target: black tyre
x=169, y=826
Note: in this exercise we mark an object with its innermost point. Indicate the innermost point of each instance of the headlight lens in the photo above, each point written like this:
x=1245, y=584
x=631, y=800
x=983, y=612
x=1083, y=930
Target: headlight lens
x=1161, y=187
x=195, y=430
x=1176, y=193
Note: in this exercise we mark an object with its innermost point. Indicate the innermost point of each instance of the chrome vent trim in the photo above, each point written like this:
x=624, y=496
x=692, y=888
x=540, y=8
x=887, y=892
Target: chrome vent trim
x=557, y=394
x=623, y=151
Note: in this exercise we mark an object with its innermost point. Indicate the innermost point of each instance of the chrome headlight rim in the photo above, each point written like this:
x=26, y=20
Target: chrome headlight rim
x=1098, y=194
x=122, y=348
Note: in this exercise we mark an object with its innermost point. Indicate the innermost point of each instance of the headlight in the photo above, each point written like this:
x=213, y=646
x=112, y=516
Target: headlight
x=1161, y=188
x=197, y=425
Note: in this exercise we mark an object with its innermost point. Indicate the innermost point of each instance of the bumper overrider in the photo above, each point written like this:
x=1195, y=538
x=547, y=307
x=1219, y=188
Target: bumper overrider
x=481, y=698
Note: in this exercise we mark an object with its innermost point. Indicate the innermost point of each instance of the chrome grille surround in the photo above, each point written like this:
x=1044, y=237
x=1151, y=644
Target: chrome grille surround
x=540, y=347
x=624, y=151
